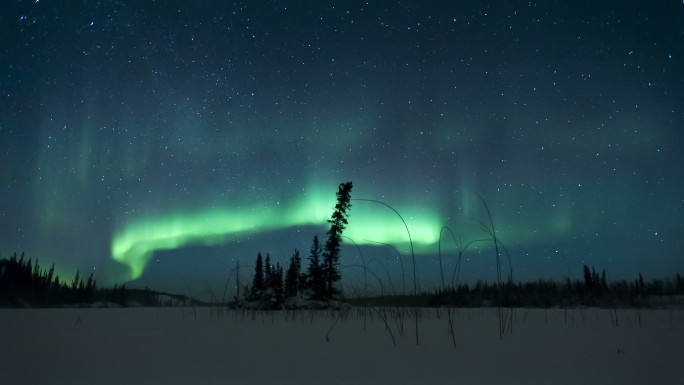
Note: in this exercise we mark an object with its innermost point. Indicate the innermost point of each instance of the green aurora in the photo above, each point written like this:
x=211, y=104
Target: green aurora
x=370, y=224
x=136, y=242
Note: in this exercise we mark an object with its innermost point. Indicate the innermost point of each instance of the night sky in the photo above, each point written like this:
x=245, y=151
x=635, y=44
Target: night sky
x=160, y=142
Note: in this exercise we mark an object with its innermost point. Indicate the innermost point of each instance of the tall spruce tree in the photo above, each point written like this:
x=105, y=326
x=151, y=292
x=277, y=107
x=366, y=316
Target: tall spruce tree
x=315, y=282
x=331, y=251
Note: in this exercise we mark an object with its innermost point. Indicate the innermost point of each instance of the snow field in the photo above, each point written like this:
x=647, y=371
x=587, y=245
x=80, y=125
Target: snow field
x=172, y=346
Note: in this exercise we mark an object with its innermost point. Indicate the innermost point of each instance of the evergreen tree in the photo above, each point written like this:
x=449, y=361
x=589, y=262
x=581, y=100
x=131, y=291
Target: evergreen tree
x=238, y=285
x=277, y=282
x=315, y=281
x=26, y=278
x=268, y=272
x=76, y=281
x=258, y=281
x=331, y=253
x=587, y=278
x=90, y=288
x=604, y=285
x=51, y=274
x=121, y=296
x=36, y=273
x=292, y=279
x=595, y=281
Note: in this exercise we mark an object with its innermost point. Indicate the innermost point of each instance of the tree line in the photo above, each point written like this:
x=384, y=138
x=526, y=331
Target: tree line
x=25, y=283
x=593, y=290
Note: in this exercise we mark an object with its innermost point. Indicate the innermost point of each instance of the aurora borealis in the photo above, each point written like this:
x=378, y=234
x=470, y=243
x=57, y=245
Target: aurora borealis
x=156, y=141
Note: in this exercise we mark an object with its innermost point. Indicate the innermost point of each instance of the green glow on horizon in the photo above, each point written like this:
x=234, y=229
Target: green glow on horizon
x=136, y=242
x=369, y=222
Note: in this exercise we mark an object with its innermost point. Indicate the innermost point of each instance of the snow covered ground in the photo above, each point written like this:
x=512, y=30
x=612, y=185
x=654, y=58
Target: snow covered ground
x=170, y=346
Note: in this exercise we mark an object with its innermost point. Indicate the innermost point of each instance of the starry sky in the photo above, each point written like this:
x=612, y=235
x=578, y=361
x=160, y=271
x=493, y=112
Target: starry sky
x=159, y=143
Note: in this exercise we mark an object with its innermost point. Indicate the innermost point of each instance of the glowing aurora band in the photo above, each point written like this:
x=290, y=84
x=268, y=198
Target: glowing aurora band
x=135, y=244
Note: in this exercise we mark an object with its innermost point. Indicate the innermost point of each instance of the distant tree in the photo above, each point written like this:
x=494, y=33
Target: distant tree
x=258, y=285
x=331, y=250
x=90, y=287
x=268, y=272
x=587, y=278
x=50, y=275
x=292, y=277
x=301, y=285
x=604, y=284
x=77, y=279
x=238, y=285
x=277, y=282
x=122, y=298
x=589, y=292
x=315, y=281
x=36, y=274
x=25, y=281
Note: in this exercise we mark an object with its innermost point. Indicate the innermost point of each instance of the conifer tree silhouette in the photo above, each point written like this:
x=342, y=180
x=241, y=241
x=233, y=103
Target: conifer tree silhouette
x=331, y=250
x=292, y=276
x=315, y=282
x=258, y=281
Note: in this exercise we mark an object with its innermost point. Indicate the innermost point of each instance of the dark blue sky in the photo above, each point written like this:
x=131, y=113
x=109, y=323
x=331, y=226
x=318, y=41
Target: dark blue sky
x=165, y=140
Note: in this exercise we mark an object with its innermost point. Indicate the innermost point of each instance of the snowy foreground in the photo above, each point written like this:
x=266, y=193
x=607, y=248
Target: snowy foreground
x=170, y=346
